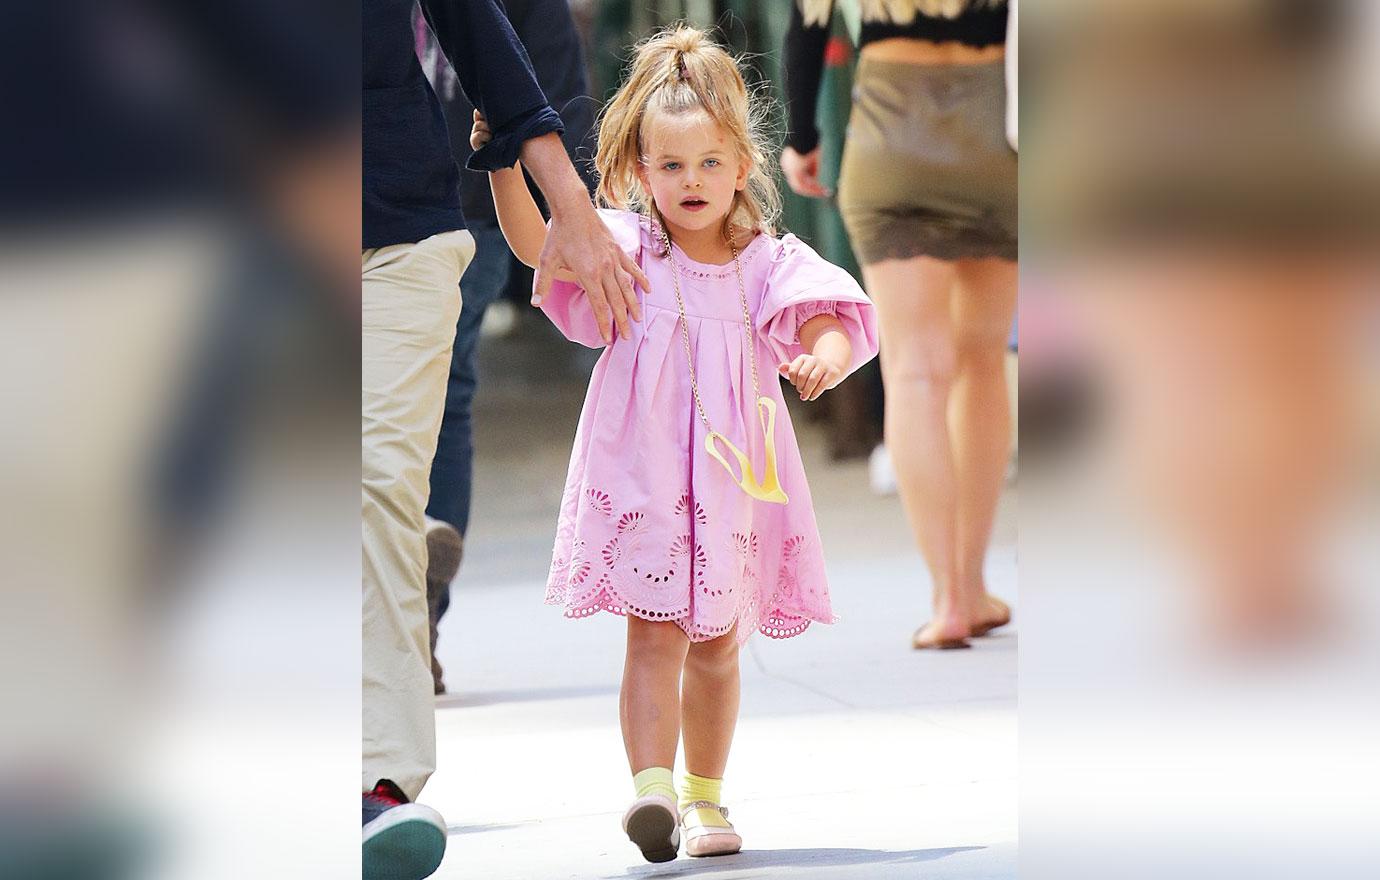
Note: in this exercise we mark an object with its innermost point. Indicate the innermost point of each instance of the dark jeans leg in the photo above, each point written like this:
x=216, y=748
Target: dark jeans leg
x=452, y=470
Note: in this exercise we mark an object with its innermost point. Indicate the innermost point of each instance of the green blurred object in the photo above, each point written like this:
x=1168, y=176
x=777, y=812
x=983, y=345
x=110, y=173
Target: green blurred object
x=835, y=104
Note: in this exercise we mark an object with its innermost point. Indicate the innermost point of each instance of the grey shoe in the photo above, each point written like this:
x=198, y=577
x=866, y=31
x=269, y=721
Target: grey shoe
x=444, y=549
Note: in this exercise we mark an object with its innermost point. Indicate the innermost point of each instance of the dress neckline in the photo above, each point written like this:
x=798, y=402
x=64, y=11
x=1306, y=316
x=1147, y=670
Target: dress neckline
x=691, y=268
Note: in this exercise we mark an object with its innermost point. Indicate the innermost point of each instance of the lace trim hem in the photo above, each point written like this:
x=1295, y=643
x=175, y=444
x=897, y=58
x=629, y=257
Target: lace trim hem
x=778, y=624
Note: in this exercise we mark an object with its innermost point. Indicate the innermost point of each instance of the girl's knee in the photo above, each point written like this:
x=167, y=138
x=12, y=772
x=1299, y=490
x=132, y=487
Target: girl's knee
x=655, y=637
x=715, y=654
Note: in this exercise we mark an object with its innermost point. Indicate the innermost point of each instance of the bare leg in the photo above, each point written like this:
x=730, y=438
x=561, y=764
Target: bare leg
x=918, y=364
x=709, y=704
x=980, y=420
x=649, y=705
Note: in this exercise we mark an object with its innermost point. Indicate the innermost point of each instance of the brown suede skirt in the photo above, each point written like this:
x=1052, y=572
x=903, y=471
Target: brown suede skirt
x=927, y=170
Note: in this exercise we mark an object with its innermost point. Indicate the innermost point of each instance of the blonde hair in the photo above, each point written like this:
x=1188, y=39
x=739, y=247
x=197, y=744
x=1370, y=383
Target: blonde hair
x=680, y=70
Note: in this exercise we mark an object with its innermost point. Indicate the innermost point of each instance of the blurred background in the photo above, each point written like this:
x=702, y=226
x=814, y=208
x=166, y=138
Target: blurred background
x=1200, y=508
x=179, y=458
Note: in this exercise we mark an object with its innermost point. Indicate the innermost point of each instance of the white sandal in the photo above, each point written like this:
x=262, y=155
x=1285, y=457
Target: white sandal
x=708, y=831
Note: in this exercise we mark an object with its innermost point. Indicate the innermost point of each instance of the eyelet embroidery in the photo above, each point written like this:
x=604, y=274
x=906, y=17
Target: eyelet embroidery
x=680, y=547
x=599, y=502
x=746, y=545
x=683, y=507
x=572, y=582
x=612, y=553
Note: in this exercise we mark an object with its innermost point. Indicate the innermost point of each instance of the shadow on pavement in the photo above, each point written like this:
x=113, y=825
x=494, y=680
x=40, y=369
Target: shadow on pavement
x=454, y=830
x=466, y=699
x=792, y=858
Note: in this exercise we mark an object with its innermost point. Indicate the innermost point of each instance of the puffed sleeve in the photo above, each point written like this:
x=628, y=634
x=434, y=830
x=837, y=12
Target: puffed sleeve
x=566, y=304
x=800, y=285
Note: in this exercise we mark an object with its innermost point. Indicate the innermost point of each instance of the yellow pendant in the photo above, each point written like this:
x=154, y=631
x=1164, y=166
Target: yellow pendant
x=768, y=488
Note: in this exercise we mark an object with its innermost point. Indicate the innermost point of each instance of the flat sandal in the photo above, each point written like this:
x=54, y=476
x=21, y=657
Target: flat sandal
x=708, y=831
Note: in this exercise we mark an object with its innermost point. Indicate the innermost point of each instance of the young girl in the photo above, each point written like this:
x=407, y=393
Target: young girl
x=686, y=507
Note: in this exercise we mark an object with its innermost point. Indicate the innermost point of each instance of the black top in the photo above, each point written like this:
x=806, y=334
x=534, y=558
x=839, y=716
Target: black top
x=805, y=55
x=410, y=181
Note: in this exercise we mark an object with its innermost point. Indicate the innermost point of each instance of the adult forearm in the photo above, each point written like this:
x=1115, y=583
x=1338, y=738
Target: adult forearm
x=546, y=160
x=578, y=241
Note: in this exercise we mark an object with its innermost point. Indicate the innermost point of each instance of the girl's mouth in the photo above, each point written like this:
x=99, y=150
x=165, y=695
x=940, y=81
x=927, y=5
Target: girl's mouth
x=694, y=203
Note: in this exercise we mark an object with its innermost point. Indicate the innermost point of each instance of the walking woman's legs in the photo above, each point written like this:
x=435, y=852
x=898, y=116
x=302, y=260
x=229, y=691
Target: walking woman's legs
x=649, y=705
x=709, y=704
x=918, y=365
x=980, y=419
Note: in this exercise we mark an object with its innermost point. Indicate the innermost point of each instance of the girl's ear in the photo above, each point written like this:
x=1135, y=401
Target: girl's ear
x=642, y=176
x=744, y=168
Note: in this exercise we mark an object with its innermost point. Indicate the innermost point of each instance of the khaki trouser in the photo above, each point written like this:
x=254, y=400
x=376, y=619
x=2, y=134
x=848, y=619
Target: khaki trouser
x=410, y=304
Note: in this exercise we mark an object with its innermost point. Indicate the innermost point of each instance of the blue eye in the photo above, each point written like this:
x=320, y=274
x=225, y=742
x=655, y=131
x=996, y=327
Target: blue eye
x=711, y=163
x=671, y=166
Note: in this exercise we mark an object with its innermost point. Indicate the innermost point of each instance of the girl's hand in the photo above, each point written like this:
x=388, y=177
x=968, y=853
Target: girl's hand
x=812, y=375
x=802, y=173
x=480, y=134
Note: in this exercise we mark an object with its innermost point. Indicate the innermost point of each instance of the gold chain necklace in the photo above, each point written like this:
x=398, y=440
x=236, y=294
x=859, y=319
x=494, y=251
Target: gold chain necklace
x=768, y=488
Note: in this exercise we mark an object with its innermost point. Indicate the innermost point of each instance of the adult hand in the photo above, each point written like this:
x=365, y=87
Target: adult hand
x=802, y=173
x=580, y=243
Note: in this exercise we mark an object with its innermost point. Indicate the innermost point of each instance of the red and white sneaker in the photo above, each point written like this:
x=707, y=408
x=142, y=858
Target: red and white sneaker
x=402, y=840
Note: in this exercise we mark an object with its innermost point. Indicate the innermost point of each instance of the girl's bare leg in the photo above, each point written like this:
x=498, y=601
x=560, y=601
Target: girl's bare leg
x=649, y=704
x=709, y=704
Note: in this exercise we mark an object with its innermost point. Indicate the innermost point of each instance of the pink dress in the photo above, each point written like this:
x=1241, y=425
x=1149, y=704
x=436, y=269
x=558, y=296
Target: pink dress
x=650, y=525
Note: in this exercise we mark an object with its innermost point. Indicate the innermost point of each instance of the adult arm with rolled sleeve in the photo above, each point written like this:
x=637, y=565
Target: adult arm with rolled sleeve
x=496, y=75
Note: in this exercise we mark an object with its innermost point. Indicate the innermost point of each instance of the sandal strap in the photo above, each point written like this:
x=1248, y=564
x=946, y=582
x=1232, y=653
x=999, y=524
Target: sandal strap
x=702, y=805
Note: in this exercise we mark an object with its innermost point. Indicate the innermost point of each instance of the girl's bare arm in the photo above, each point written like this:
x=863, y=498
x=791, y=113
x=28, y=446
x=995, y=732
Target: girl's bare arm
x=829, y=355
x=518, y=216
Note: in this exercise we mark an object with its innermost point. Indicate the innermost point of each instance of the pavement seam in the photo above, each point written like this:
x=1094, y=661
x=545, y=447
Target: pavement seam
x=807, y=688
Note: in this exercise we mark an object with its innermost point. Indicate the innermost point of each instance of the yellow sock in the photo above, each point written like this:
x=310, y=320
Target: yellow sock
x=655, y=780
x=700, y=788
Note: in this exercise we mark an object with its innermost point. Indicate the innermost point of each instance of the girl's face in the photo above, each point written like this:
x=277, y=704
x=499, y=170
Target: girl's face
x=692, y=170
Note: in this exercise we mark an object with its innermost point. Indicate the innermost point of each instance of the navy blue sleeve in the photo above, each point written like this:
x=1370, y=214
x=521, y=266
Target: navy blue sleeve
x=495, y=74
x=547, y=29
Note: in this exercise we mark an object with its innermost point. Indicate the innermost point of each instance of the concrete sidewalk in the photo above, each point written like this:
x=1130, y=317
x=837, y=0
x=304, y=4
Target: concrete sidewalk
x=855, y=756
